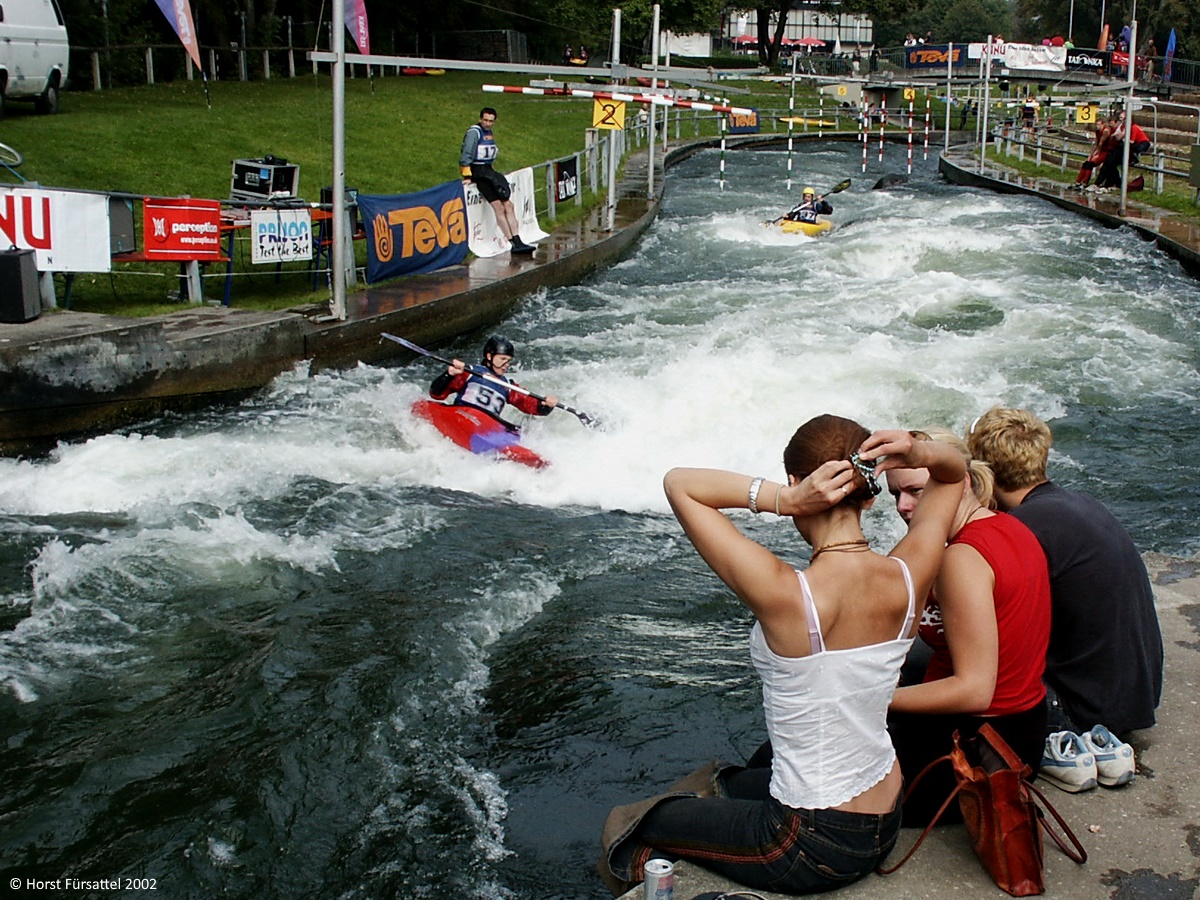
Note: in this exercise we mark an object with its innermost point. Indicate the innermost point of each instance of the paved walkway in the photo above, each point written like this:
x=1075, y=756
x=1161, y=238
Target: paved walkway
x=1143, y=839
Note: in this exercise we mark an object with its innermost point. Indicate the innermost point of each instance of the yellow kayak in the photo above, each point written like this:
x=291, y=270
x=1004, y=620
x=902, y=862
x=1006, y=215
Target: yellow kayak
x=802, y=120
x=812, y=229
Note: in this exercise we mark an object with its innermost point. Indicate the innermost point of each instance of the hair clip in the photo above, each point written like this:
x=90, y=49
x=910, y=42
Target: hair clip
x=867, y=471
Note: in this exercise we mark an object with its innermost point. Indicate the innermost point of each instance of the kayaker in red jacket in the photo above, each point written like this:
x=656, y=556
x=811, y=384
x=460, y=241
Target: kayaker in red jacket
x=483, y=387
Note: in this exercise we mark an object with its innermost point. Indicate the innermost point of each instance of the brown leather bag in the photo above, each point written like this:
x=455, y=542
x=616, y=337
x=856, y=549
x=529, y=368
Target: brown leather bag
x=1002, y=817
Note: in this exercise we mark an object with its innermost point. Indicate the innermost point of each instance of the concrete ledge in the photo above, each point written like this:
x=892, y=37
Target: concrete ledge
x=1143, y=839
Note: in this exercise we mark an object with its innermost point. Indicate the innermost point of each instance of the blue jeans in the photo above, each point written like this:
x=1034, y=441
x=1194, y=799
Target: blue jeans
x=753, y=839
x=1058, y=717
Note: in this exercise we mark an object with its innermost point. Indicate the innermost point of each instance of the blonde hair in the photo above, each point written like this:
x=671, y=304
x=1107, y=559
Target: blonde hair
x=983, y=481
x=1015, y=443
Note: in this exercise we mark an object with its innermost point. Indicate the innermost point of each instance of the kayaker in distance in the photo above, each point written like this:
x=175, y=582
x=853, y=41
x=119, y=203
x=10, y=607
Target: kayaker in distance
x=809, y=207
x=488, y=393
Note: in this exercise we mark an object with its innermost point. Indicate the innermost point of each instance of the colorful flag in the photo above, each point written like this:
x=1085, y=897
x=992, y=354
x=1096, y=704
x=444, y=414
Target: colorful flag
x=179, y=14
x=1170, y=56
x=356, y=23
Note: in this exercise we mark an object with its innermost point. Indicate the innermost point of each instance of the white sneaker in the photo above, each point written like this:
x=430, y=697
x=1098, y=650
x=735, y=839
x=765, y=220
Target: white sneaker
x=1067, y=764
x=1115, y=764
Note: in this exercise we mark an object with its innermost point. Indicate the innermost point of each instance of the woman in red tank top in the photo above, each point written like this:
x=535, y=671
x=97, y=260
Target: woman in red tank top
x=987, y=622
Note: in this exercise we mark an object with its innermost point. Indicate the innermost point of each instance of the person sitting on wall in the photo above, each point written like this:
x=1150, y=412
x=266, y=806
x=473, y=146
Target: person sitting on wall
x=1105, y=660
x=1109, y=175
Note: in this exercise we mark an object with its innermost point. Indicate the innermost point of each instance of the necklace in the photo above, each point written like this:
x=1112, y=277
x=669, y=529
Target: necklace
x=841, y=547
x=971, y=515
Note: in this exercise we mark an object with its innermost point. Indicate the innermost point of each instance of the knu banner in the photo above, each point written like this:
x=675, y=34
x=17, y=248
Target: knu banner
x=408, y=234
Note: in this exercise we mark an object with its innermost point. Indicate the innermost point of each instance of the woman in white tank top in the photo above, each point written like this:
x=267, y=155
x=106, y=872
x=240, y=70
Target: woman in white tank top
x=828, y=644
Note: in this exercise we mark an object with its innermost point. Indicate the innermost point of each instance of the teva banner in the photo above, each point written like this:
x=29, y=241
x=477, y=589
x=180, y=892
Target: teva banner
x=925, y=56
x=486, y=239
x=68, y=230
x=181, y=228
x=280, y=235
x=740, y=123
x=408, y=234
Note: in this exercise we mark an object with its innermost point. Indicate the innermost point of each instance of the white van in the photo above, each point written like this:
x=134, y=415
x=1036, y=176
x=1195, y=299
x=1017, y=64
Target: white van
x=33, y=53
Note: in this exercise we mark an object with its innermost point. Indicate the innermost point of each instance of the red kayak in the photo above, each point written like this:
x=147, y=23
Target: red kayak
x=474, y=430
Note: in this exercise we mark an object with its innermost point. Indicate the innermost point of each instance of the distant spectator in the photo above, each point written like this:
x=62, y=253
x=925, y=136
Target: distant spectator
x=1149, y=52
x=910, y=40
x=874, y=66
x=967, y=108
x=568, y=55
x=1100, y=146
x=1109, y=175
x=1029, y=114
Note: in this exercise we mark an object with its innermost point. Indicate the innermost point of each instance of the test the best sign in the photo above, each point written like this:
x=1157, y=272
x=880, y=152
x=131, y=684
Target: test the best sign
x=280, y=235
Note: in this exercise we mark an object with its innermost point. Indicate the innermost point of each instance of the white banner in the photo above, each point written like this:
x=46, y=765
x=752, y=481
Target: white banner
x=67, y=229
x=280, y=235
x=979, y=51
x=1035, y=56
x=486, y=239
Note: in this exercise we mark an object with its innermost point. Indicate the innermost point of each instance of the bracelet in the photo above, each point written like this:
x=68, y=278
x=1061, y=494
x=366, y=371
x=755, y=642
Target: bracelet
x=778, y=491
x=754, y=486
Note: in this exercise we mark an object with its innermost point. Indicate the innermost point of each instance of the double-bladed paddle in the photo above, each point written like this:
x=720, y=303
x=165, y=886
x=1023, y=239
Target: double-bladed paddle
x=836, y=189
x=583, y=417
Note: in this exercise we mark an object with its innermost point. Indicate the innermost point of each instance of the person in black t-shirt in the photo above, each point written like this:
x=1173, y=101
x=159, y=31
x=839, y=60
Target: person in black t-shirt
x=1105, y=661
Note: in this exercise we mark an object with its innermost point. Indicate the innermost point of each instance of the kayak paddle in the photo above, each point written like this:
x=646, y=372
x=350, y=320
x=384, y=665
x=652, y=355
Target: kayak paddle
x=583, y=417
x=836, y=189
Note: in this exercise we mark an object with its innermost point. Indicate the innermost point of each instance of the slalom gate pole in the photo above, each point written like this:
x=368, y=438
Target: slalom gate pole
x=863, y=122
x=910, y=136
x=882, y=121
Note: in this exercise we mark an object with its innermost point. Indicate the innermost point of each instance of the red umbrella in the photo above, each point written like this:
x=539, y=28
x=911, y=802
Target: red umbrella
x=809, y=42
x=745, y=39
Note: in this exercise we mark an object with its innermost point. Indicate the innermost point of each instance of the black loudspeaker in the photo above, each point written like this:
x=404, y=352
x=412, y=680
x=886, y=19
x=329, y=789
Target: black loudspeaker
x=19, y=297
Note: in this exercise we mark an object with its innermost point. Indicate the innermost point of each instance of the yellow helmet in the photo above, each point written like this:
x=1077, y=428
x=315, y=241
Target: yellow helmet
x=807, y=191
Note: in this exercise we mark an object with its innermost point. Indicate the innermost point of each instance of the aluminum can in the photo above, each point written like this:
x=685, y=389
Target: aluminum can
x=660, y=880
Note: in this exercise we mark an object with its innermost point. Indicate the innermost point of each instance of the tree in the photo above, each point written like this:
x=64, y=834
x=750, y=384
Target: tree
x=770, y=40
